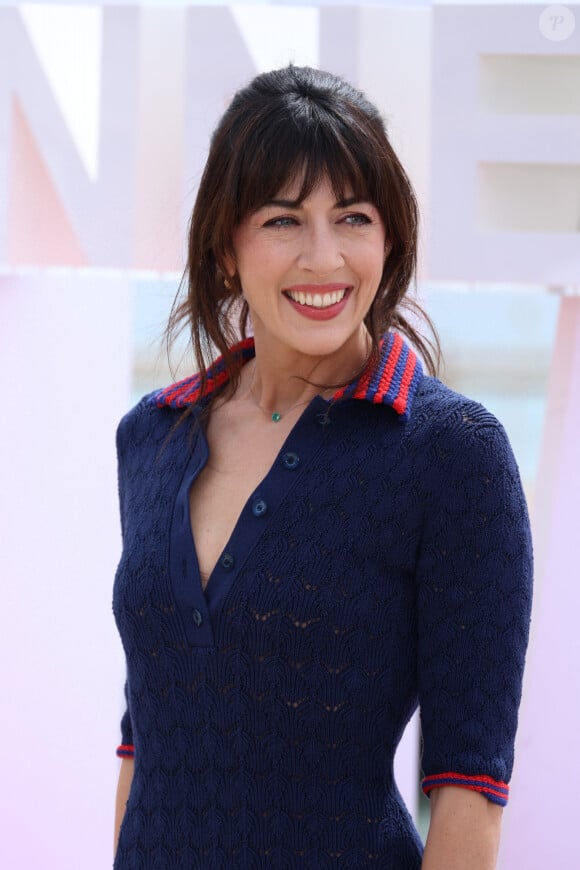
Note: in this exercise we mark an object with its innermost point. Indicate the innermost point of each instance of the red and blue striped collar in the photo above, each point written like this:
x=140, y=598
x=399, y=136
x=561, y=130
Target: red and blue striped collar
x=393, y=381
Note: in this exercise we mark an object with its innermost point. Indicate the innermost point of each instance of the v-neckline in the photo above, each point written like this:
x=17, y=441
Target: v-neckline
x=216, y=454
x=201, y=607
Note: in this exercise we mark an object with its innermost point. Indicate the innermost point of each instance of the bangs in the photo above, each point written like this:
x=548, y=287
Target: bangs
x=307, y=146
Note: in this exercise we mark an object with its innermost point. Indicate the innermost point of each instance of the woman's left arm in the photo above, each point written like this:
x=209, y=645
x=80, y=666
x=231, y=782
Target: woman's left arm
x=473, y=597
x=464, y=831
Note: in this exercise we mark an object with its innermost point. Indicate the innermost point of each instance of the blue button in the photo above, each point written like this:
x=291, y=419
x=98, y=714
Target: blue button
x=259, y=507
x=197, y=617
x=323, y=419
x=227, y=561
x=291, y=461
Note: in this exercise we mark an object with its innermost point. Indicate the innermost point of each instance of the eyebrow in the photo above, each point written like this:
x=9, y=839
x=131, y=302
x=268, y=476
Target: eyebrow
x=295, y=203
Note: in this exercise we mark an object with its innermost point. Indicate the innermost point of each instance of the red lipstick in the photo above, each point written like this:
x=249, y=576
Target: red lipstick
x=311, y=300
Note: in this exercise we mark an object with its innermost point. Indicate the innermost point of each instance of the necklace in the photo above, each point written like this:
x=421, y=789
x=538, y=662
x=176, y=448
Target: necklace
x=275, y=416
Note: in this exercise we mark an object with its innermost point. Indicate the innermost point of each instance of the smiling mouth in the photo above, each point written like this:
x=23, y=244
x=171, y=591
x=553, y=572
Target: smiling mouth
x=317, y=300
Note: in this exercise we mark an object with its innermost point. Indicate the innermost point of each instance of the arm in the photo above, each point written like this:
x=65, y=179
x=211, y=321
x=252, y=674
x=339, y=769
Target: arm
x=474, y=595
x=123, y=789
x=464, y=831
x=126, y=750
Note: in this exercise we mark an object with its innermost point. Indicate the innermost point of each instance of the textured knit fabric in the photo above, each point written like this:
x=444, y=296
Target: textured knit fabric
x=384, y=561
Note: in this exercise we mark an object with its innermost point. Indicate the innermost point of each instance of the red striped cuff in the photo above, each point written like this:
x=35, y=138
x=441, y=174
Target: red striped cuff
x=492, y=789
x=125, y=750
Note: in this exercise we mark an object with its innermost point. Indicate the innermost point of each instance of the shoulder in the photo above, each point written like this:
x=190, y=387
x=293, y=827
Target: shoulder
x=444, y=409
x=133, y=418
x=457, y=443
x=450, y=419
x=147, y=422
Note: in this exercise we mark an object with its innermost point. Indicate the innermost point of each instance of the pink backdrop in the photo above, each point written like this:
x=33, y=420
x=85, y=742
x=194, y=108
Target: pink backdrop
x=72, y=245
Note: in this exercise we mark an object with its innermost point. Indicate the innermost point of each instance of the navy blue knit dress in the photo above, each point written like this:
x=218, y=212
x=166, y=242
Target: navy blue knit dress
x=384, y=561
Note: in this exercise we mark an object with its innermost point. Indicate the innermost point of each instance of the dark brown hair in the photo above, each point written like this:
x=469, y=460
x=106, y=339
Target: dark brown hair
x=295, y=122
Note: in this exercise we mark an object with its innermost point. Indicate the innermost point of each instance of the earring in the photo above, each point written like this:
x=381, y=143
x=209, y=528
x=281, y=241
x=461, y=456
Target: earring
x=227, y=284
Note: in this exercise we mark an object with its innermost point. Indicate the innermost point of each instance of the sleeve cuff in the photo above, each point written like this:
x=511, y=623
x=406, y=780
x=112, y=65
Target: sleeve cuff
x=497, y=792
x=126, y=750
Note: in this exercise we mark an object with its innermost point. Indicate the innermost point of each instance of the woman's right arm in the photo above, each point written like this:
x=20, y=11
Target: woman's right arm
x=123, y=789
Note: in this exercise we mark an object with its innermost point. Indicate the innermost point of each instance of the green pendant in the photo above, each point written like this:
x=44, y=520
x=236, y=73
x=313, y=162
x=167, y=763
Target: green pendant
x=276, y=416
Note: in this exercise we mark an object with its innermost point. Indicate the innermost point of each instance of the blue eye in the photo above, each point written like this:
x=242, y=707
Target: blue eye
x=281, y=222
x=357, y=219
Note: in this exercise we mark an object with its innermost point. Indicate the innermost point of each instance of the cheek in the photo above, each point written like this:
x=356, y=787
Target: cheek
x=260, y=263
x=242, y=246
x=371, y=263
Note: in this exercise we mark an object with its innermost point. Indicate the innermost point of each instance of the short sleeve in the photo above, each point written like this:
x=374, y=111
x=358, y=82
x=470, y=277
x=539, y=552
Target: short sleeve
x=126, y=748
x=474, y=601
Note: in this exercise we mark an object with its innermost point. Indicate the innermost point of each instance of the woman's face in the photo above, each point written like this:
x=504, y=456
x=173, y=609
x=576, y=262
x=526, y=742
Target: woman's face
x=310, y=270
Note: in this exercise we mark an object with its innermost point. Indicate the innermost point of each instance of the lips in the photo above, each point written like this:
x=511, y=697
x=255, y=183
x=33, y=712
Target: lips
x=318, y=301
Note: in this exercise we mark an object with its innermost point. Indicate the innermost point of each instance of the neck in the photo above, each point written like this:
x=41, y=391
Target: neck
x=280, y=380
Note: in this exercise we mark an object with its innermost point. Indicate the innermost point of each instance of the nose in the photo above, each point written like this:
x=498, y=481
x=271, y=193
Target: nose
x=320, y=251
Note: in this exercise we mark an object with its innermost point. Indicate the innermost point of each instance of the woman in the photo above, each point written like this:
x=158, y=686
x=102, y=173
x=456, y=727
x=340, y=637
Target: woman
x=317, y=534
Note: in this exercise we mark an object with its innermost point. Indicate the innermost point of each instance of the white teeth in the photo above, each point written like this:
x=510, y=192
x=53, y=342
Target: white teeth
x=318, y=300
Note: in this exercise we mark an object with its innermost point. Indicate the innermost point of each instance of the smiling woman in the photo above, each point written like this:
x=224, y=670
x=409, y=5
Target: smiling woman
x=289, y=132
x=309, y=270
x=289, y=593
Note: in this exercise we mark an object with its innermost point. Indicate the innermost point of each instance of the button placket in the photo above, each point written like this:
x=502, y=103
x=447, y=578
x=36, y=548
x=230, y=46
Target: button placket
x=261, y=510
x=184, y=568
x=259, y=507
x=197, y=617
x=227, y=561
x=291, y=461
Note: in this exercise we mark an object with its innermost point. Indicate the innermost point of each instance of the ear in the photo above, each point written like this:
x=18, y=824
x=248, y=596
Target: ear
x=388, y=247
x=229, y=265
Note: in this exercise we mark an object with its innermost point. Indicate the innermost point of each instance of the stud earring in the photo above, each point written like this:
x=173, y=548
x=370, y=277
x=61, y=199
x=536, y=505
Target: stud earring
x=227, y=284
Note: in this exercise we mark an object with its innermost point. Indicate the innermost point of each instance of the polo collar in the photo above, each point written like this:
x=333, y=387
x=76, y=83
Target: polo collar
x=393, y=381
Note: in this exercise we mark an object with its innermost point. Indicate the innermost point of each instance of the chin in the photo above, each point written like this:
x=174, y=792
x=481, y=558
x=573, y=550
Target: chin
x=326, y=341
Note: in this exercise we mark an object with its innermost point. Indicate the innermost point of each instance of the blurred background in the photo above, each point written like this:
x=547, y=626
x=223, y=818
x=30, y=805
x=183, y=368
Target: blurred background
x=105, y=116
